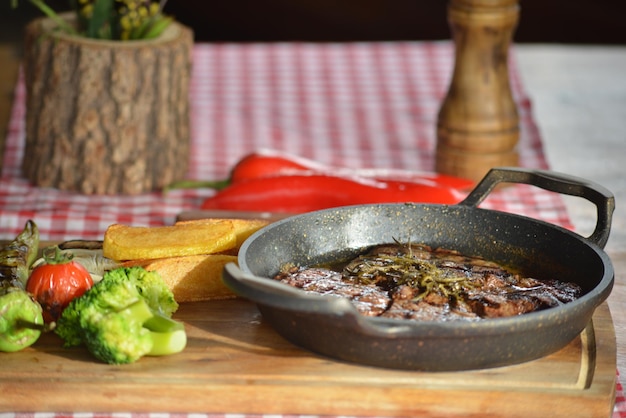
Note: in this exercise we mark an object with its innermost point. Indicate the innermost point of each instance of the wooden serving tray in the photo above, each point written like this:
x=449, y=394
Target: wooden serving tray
x=236, y=363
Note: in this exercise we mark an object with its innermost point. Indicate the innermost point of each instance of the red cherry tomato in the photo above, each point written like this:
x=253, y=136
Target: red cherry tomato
x=57, y=282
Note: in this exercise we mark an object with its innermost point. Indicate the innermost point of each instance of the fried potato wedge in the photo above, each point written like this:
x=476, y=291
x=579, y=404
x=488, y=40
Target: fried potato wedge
x=192, y=278
x=189, y=255
x=123, y=242
x=243, y=227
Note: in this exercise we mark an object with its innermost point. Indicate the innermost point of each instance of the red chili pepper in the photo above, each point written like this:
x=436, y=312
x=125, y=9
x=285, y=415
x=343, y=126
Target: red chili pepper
x=272, y=163
x=305, y=193
x=269, y=163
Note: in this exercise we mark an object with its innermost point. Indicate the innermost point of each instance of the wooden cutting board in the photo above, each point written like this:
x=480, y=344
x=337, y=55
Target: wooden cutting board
x=236, y=363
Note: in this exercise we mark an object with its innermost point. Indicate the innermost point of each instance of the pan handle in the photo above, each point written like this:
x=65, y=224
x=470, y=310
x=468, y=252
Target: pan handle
x=279, y=295
x=601, y=197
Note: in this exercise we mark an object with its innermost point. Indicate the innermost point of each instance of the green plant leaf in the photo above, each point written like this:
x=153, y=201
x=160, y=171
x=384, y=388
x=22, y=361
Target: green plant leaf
x=45, y=9
x=157, y=27
x=99, y=26
x=103, y=19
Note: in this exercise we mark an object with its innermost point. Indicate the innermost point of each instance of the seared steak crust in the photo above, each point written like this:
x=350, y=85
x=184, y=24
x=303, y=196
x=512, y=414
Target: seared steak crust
x=369, y=300
x=420, y=283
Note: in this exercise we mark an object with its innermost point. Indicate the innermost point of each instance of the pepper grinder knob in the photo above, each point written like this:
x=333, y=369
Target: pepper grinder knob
x=478, y=123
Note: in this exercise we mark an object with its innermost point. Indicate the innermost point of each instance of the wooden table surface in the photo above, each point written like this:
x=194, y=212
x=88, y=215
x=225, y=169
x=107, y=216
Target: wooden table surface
x=234, y=361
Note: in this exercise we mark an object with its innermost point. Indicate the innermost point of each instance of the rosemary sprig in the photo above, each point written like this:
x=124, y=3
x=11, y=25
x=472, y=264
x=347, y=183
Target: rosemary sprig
x=405, y=269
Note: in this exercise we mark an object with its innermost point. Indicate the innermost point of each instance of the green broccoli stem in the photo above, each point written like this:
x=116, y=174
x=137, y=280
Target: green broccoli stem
x=161, y=323
x=139, y=311
x=166, y=343
x=168, y=335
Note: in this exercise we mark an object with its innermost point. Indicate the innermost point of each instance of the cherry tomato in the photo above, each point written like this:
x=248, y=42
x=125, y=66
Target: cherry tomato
x=57, y=282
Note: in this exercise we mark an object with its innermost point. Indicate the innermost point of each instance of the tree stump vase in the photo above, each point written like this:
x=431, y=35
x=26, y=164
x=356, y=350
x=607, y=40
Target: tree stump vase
x=478, y=123
x=106, y=117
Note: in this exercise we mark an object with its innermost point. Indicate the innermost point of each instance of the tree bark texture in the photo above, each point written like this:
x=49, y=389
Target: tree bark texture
x=106, y=117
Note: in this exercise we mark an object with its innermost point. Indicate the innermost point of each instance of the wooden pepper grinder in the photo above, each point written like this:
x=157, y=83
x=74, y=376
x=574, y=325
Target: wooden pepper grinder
x=478, y=124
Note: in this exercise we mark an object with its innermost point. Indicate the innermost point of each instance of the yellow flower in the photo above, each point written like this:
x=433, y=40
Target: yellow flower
x=125, y=23
x=87, y=11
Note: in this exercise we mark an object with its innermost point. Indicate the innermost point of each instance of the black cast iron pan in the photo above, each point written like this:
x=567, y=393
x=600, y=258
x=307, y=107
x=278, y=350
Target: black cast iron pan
x=331, y=327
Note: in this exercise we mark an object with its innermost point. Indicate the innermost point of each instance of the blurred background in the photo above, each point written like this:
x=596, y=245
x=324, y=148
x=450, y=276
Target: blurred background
x=568, y=21
x=560, y=21
x=541, y=21
x=571, y=54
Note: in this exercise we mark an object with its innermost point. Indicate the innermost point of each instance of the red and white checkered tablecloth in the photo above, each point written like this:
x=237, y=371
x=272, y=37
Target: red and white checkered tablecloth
x=347, y=104
x=359, y=105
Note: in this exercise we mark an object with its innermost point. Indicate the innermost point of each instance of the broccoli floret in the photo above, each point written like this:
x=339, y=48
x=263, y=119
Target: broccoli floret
x=124, y=317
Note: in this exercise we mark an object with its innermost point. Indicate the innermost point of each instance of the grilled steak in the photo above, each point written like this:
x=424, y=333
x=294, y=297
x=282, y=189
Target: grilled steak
x=421, y=283
x=369, y=300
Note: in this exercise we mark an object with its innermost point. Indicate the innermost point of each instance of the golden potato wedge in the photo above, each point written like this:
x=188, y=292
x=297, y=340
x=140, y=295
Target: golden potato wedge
x=193, y=278
x=243, y=227
x=123, y=242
